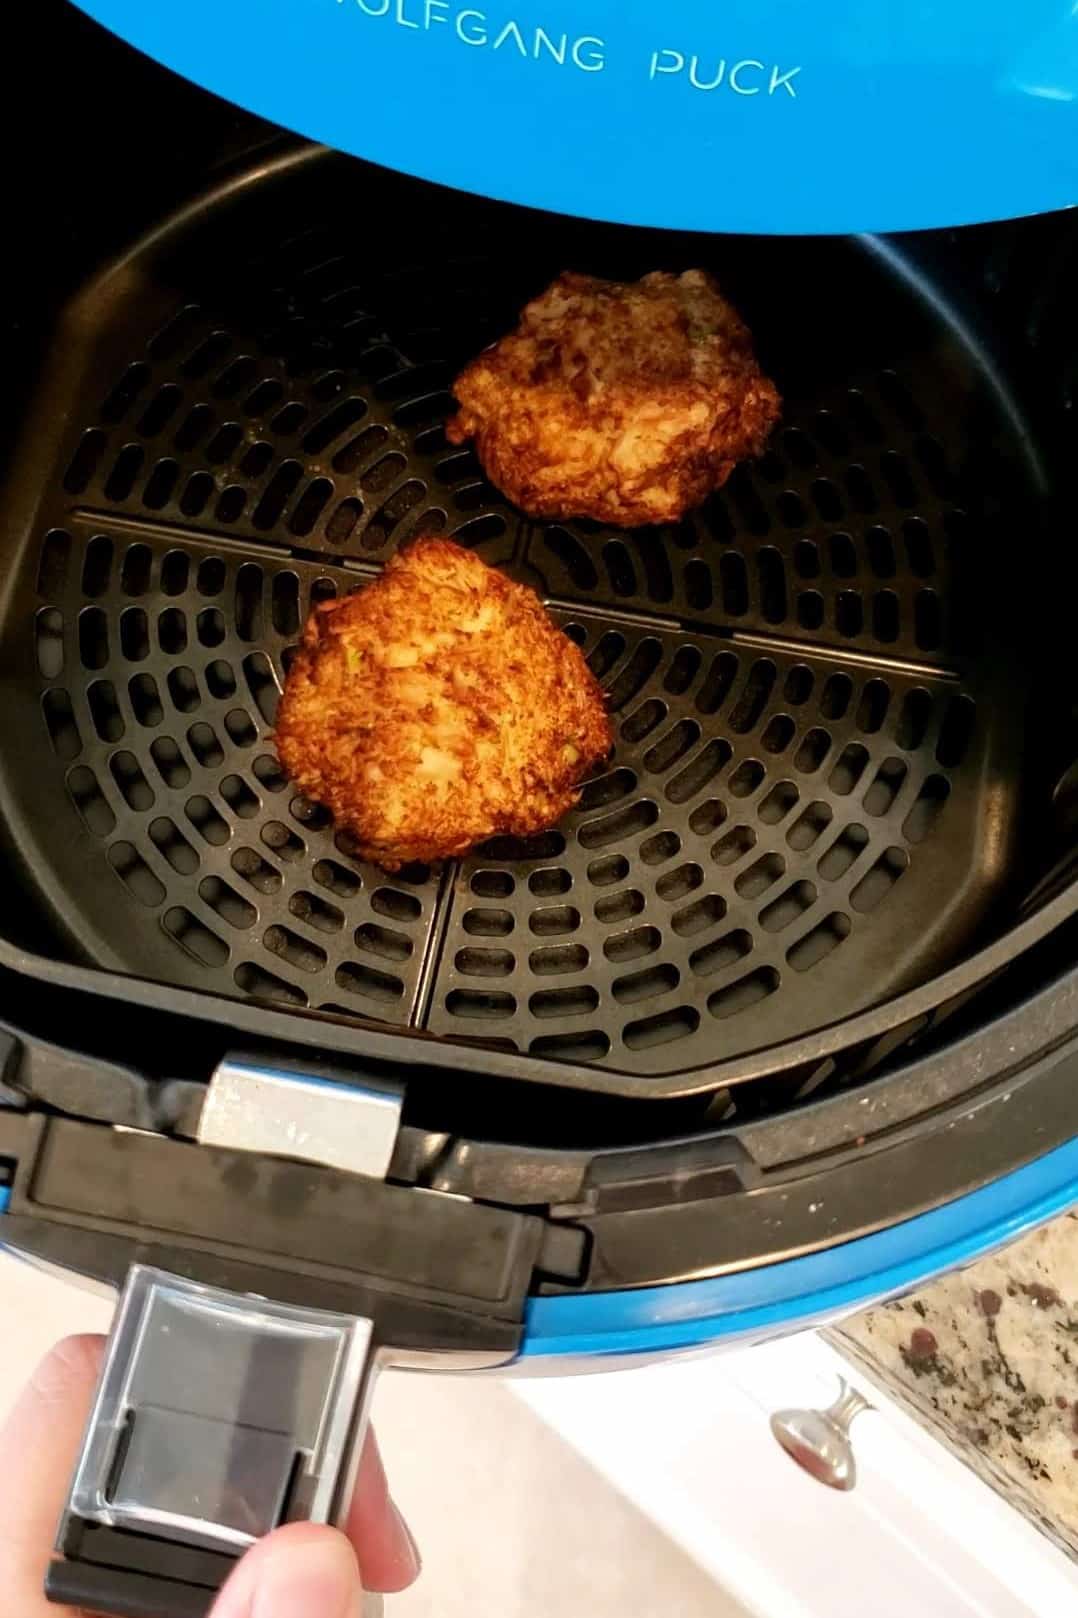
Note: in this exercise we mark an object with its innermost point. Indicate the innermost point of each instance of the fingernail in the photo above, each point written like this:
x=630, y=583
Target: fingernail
x=417, y=1560
x=319, y=1577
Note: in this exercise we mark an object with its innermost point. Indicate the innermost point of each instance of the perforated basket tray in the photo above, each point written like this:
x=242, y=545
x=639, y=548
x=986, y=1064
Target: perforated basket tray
x=813, y=798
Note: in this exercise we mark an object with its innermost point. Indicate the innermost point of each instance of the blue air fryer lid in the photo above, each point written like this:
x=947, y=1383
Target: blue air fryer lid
x=734, y=115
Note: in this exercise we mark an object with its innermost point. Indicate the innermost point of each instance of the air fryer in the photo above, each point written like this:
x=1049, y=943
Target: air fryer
x=780, y=1019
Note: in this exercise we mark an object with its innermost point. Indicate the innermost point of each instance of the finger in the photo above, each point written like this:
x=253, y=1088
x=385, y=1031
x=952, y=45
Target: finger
x=295, y=1572
x=388, y=1558
x=40, y=1444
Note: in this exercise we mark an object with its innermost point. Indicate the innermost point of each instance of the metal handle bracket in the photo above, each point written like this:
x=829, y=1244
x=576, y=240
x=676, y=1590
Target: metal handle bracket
x=342, y=1121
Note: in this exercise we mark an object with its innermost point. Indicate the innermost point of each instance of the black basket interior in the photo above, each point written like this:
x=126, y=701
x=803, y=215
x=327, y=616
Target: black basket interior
x=827, y=732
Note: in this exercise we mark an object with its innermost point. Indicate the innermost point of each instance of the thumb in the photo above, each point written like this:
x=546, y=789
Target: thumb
x=295, y=1572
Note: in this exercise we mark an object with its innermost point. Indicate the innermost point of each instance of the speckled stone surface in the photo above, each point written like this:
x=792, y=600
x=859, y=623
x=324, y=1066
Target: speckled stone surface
x=988, y=1359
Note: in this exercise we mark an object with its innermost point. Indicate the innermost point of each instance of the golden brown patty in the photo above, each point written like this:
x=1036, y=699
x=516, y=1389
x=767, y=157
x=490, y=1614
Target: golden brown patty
x=437, y=707
x=625, y=402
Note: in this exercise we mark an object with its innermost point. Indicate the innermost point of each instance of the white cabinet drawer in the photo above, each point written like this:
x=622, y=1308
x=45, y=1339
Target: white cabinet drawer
x=690, y=1444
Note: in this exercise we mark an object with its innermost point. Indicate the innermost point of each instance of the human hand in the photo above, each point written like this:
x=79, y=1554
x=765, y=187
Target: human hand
x=296, y=1572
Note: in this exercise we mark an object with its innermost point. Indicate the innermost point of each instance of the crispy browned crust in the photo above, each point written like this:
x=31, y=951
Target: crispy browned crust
x=625, y=402
x=437, y=707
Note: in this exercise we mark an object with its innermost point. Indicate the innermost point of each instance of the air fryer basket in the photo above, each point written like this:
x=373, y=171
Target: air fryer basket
x=821, y=693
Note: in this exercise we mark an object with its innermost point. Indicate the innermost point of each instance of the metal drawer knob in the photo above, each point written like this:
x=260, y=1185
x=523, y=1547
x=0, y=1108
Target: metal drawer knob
x=819, y=1440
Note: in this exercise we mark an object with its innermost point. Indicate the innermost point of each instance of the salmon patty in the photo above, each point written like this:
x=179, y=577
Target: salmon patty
x=437, y=707
x=624, y=402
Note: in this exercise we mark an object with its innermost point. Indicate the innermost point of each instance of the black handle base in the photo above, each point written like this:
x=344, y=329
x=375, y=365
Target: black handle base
x=107, y=1572
x=124, y=1593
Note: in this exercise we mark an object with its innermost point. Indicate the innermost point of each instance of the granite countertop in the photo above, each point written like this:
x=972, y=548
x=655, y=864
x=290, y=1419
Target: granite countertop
x=987, y=1358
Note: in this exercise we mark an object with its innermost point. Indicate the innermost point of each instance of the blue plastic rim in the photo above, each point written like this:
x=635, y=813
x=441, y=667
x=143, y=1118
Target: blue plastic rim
x=749, y=115
x=803, y=1292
